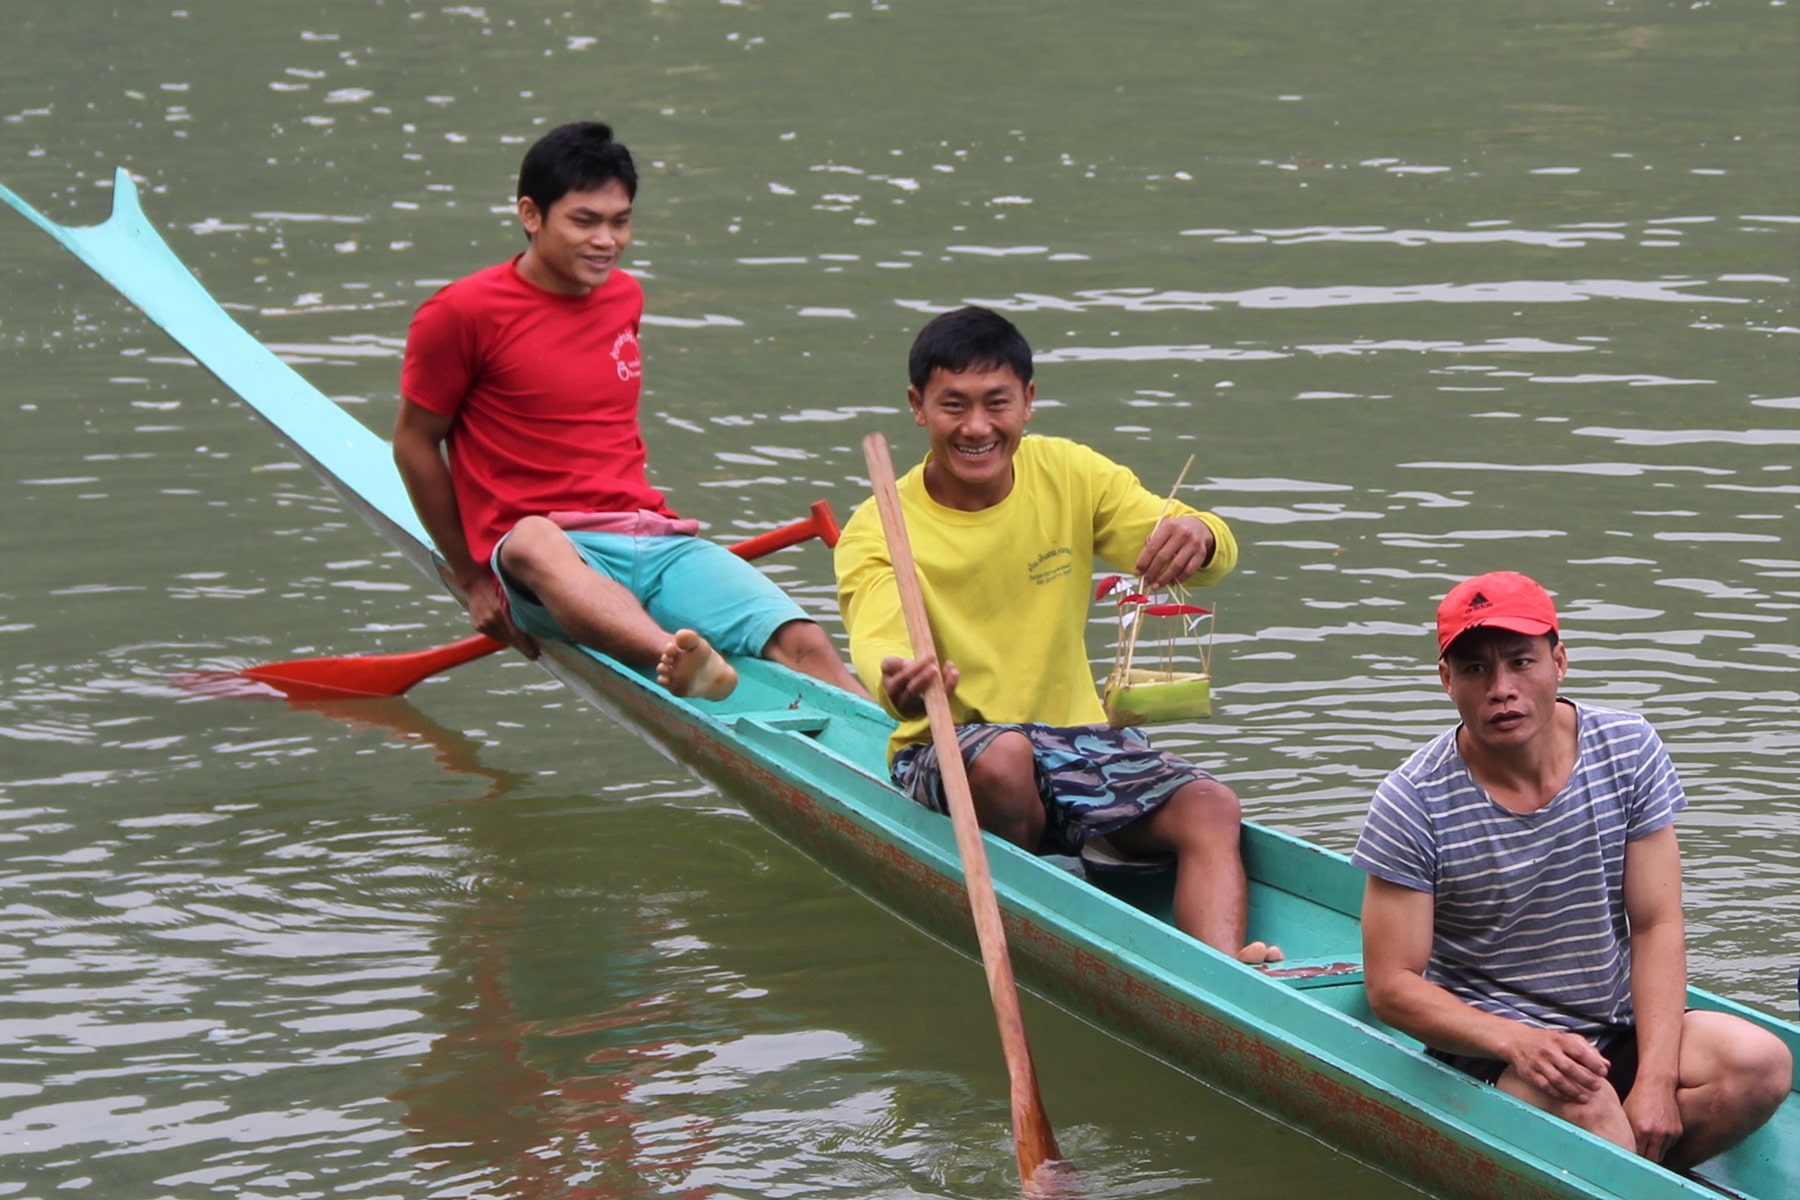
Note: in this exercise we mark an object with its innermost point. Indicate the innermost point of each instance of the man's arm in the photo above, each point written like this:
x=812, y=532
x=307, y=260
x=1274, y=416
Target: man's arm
x=1658, y=986
x=1185, y=546
x=1397, y=934
x=419, y=437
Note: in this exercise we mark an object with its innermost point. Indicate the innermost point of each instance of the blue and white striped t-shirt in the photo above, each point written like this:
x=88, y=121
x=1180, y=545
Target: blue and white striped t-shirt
x=1529, y=908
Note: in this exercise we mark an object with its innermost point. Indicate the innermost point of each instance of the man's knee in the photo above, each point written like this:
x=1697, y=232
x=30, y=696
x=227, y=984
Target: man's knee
x=1006, y=762
x=532, y=546
x=798, y=640
x=1752, y=1066
x=1206, y=809
x=1776, y=1077
x=1003, y=779
x=1202, y=818
x=1600, y=1112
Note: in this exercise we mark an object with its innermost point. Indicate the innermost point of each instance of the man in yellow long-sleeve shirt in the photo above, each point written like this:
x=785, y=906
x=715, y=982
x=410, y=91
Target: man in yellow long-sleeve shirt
x=1004, y=530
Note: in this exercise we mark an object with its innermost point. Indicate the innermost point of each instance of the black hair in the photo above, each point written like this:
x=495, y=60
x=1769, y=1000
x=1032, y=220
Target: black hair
x=577, y=157
x=1459, y=647
x=968, y=337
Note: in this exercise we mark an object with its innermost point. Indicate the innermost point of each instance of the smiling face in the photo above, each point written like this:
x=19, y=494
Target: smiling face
x=974, y=420
x=1504, y=686
x=575, y=247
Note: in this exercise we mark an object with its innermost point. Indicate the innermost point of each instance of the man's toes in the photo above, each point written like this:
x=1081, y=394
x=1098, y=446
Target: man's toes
x=1259, y=952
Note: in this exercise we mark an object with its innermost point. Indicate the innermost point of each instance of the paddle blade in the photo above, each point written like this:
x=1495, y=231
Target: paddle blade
x=1053, y=1179
x=366, y=674
x=1043, y=1170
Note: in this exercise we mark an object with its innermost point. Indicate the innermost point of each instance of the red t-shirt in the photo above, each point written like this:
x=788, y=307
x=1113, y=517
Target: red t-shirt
x=544, y=392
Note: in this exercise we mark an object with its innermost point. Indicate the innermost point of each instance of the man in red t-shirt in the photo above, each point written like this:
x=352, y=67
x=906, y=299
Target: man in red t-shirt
x=528, y=373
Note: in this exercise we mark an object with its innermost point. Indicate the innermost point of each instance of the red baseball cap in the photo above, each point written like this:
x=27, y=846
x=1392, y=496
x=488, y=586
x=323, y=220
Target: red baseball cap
x=1497, y=600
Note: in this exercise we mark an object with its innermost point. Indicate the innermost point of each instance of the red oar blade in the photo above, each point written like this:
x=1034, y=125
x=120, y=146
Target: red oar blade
x=227, y=685
x=338, y=678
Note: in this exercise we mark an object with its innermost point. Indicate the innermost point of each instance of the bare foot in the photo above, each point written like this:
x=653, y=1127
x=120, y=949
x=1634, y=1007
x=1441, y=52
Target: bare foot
x=1260, y=952
x=691, y=667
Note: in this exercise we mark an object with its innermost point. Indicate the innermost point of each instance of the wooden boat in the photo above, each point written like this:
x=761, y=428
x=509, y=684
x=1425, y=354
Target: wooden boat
x=1297, y=1041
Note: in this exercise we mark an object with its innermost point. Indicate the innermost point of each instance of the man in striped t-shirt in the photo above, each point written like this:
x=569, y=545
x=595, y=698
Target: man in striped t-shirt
x=1522, y=916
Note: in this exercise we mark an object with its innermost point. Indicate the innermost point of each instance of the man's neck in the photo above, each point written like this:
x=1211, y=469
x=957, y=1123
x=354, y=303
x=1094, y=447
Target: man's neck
x=1525, y=778
x=529, y=267
x=947, y=493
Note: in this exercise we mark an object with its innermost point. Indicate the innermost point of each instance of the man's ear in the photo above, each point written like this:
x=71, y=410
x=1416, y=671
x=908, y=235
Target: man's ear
x=529, y=216
x=917, y=399
x=1030, y=395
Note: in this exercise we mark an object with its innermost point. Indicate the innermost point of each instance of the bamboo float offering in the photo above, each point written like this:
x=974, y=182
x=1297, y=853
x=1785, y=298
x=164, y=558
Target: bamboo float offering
x=1167, y=689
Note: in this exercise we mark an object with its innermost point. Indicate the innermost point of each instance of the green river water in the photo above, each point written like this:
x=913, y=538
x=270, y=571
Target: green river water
x=1429, y=289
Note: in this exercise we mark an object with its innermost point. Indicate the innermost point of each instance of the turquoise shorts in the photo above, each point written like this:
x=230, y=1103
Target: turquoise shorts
x=682, y=582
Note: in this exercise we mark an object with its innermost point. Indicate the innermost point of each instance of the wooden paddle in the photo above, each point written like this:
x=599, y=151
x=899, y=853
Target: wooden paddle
x=365, y=675
x=1032, y=1136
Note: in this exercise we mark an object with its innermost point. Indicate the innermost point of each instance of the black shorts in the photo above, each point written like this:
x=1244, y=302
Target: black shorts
x=1617, y=1046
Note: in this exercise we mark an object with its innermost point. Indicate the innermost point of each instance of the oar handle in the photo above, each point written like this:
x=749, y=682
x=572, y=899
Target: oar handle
x=826, y=521
x=1032, y=1135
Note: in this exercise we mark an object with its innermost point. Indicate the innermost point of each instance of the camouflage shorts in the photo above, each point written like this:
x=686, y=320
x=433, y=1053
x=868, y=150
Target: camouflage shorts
x=1092, y=780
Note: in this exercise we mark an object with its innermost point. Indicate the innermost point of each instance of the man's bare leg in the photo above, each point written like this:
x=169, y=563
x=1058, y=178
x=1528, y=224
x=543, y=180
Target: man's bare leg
x=1733, y=1078
x=1201, y=823
x=1003, y=785
x=1600, y=1112
x=805, y=647
x=599, y=612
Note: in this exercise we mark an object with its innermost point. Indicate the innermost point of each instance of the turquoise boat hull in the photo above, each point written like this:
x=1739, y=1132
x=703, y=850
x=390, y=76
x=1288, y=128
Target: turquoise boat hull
x=1296, y=1041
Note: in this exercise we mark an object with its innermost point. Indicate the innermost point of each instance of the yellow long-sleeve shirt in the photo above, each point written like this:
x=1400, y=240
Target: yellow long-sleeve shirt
x=1008, y=588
